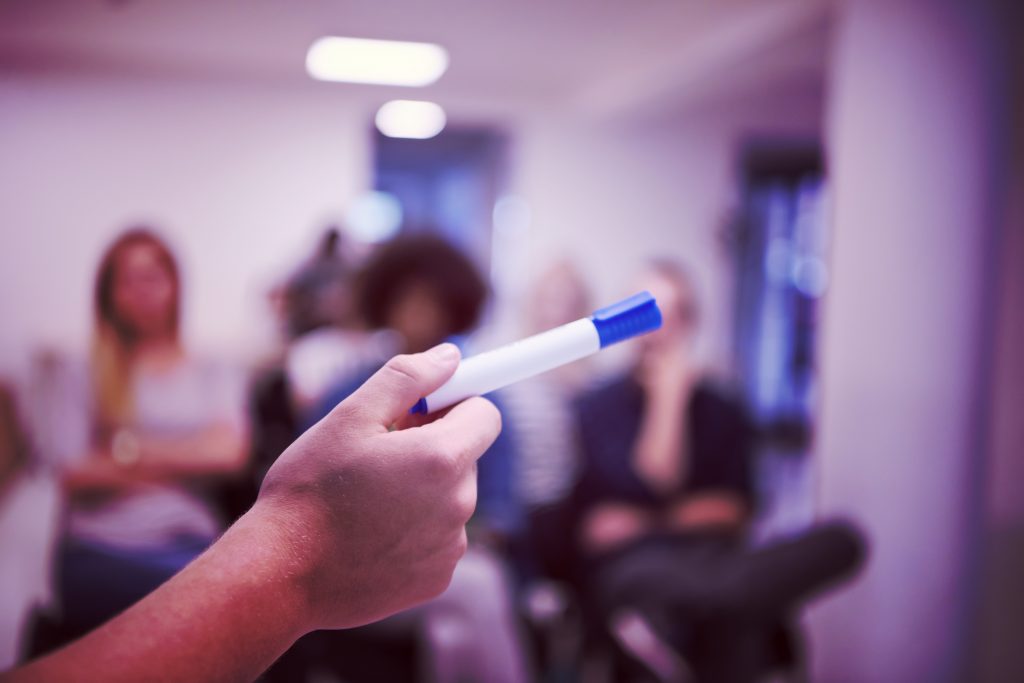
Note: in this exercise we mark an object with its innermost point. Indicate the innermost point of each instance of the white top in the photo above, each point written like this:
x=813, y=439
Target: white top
x=187, y=399
x=540, y=414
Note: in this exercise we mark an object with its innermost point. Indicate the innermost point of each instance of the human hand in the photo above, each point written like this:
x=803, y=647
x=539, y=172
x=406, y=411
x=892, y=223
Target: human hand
x=667, y=372
x=611, y=525
x=372, y=520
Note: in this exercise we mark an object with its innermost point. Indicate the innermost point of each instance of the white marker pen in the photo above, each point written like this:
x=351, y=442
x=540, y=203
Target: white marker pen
x=525, y=358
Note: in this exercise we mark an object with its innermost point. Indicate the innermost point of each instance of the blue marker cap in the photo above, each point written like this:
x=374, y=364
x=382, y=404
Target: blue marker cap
x=628, y=318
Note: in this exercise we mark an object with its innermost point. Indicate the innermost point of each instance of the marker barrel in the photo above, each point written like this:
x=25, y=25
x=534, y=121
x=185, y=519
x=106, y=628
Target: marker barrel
x=514, y=362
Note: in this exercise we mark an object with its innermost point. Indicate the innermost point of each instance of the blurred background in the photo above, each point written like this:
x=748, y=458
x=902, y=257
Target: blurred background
x=843, y=180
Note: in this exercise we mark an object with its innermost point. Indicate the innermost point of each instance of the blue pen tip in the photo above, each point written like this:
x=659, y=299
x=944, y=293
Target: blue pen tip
x=628, y=318
x=420, y=408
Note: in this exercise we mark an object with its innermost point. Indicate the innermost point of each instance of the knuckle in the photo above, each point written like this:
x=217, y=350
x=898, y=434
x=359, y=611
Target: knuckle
x=453, y=553
x=403, y=368
x=441, y=582
x=461, y=545
x=465, y=504
x=434, y=462
x=440, y=576
x=436, y=469
x=438, y=462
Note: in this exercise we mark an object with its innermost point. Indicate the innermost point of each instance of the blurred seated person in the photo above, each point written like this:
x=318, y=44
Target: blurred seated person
x=540, y=411
x=327, y=343
x=323, y=344
x=665, y=498
x=164, y=427
x=426, y=291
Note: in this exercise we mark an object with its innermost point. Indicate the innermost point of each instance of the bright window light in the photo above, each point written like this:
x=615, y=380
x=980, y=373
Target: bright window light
x=374, y=217
x=410, y=119
x=381, y=62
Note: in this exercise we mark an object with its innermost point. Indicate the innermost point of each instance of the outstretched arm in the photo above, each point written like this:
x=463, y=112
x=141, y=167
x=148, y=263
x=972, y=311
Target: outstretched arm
x=354, y=522
x=659, y=455
x=227, y=616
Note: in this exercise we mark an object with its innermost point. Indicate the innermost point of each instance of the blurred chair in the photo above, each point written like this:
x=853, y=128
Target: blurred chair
x=14, y=448
x=29, y=501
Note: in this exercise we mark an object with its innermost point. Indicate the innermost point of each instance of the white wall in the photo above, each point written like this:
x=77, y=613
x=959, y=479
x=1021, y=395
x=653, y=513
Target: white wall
x=240, y=179
x=907, y=334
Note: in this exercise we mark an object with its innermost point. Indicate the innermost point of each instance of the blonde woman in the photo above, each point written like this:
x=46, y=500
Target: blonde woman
x=165, y=427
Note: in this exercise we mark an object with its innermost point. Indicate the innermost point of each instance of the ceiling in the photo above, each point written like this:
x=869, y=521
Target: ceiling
x=601, y=56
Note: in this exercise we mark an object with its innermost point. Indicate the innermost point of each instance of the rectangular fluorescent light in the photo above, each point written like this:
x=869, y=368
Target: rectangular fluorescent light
x=380, y=62
x=410, y=119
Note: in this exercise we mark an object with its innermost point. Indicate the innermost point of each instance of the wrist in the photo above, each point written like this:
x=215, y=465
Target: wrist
x=269, y=545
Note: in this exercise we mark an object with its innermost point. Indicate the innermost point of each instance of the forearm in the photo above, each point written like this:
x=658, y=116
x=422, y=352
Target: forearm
x=219, y=450
x=98, y=472
x=225, y=617
x=658, y=454
x=720, y=509
x=612, y=524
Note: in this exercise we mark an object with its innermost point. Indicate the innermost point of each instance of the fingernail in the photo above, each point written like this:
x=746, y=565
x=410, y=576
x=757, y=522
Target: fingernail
x=445, y=352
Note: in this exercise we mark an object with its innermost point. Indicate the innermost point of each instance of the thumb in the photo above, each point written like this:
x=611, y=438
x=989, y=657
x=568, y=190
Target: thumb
x=396, y=387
